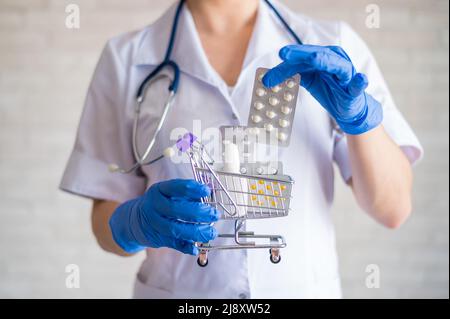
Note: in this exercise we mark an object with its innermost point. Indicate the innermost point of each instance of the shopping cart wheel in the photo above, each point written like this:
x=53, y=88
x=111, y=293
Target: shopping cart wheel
x=202, y=259
x=275, y=256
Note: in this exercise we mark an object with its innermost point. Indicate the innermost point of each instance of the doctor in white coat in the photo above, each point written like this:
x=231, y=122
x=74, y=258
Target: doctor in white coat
x=218, y=46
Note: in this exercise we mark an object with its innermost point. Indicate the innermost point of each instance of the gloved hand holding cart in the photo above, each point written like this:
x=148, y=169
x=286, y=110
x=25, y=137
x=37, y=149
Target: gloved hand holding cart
x=179, y=213
x=264, y=197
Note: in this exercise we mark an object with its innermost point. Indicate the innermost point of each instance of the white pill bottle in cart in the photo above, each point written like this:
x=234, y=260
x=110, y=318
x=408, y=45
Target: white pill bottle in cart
x=237, y=186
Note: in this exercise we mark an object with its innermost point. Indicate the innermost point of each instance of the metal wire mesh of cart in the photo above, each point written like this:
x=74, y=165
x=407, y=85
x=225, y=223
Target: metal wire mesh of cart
x=247, y=196
x=239, y=196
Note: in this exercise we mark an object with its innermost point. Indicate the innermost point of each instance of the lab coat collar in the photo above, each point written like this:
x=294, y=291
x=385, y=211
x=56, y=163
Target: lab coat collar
x=268, y=37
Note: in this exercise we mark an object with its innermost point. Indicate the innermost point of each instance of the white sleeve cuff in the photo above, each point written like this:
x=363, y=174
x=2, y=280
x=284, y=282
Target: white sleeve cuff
x=342, y=159
x=410, y=147
x=90, y=177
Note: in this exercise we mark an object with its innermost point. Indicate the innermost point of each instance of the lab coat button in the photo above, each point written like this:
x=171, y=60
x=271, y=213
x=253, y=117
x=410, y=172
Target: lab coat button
x=234, y=116
x=242, y=296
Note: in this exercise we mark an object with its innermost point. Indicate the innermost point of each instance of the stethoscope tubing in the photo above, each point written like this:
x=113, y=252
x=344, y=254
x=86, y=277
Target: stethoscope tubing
x=141, y=160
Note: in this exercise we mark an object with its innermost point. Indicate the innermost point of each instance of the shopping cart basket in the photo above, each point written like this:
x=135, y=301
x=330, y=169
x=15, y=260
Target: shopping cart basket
x=239, y=197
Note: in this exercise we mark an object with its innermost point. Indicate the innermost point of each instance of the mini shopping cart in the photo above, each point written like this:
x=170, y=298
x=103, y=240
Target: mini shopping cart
x=239, y=197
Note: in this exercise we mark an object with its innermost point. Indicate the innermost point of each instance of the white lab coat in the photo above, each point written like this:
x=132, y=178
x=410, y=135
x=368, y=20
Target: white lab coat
x=309, y=267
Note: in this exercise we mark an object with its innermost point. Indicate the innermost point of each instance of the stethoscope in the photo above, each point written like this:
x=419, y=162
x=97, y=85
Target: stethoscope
x=156, y=74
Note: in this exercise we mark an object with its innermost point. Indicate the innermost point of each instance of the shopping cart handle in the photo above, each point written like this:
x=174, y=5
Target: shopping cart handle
x=186, y=142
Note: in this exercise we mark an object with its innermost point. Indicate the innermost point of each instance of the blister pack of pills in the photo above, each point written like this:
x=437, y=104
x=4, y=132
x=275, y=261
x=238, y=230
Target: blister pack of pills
x=272, y=109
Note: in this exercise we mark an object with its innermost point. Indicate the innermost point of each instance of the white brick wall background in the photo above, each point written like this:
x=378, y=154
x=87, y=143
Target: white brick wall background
x=44, y=72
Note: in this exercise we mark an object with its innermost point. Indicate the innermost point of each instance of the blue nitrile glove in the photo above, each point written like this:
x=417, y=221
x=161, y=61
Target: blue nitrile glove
x=169, y=214
x=328, y=74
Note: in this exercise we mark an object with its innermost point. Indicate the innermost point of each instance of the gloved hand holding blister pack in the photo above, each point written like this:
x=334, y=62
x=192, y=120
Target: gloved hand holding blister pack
x=170, y=214
x=329, y=75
